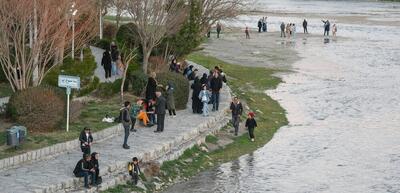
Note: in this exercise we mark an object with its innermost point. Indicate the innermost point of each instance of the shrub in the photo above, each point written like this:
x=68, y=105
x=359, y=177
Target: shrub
x=181, y=86
x=103, y=44
x=109, y=89
x=138, y=80
x=2, y=76
x=38, y=108
x=85, y=70
x=110, y=30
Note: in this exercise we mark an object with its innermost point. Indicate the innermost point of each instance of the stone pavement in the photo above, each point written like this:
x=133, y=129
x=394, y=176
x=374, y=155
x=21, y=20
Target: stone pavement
x=99, y=72
x=55, y=174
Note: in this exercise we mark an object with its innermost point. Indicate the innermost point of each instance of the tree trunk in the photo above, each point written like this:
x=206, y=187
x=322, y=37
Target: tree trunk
x=118, y=17
x=101, y=23
x=123, y=82
x=146, y=56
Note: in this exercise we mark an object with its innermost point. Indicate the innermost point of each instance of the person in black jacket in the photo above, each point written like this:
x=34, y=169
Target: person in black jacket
x=259, y=25
x=126, y=122
x=305, y=26
x=82, y=169
x=161, y=103
x=94, y=163
x=106, y=63
x=151, y=87
x=215, y=85
x=134, y=170
x=114, y=58
x=86, y=140
x=237, y=110
x=251, y=124
x=204, y=79
x=197, y=105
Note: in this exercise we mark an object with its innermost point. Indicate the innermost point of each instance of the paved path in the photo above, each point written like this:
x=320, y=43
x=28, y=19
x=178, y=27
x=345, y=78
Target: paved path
x=55, y=174
x=99, y=72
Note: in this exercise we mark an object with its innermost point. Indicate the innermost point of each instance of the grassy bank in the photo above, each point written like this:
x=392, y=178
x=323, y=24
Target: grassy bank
x=249, y=84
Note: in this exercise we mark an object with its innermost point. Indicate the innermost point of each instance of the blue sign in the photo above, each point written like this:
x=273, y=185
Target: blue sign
x=69, y=81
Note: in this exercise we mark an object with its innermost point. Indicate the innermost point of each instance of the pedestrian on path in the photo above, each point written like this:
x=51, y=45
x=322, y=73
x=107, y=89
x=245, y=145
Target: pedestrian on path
x=215, y=85
x=204, y=96
x=106, y=63
x=251, y=124
x=82, y=169
x=94, y=163
x=283, y=30
x=246, y=31
x=151, y=87
x=114, y=58
x=219, y=28
x=305, y=23
x=134, y=170
x=237, y=110
x=86, y=140
x=160, y=110
x=126, y=122
x=259, y=25
x=171, y=100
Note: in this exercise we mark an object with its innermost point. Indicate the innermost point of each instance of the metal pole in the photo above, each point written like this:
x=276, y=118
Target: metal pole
x=68, y=93
x=73, y=37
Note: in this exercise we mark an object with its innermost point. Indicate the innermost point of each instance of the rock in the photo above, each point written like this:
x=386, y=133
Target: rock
x=141, y=185
x=158, y=185
x=203, y=148
x=189, y=160
x=151, y=169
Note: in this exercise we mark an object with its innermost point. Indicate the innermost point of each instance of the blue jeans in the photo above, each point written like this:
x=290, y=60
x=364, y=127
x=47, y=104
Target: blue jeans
x=215, y=100
x=126, y=129
x=85, y=176
x=205, y=108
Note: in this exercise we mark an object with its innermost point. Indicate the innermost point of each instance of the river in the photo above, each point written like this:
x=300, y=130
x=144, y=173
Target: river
x=342, y=103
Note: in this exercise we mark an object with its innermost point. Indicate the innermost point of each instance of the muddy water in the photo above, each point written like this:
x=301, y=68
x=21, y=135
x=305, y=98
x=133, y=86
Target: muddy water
x=343, y=104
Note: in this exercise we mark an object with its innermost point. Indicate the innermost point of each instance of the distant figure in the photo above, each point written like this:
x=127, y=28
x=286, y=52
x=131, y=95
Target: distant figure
x=327, y=27
x=334, y=30
x=160, y=111
x=264, y=24
x=288, y=30
x=259, y=25
x=283, y=30
x=86, y=140
x=126, y=122
x=114, y=58
x=305, y=26
x=219, y=28
x=246, y=31
x=236, y=110
x=170, y=99
x=151, y=87
x=205, y=96
x=251, y=124
x=294, y=30
x=106, y=63
x=94, y=162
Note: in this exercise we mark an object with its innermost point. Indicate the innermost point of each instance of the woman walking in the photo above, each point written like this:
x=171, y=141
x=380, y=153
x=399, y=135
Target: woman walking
x=251, y=124
x=106, y=63
x=151, y=87
x=171, y=100
x=196, y=103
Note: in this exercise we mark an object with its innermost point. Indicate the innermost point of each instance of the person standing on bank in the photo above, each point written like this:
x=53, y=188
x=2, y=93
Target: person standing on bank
x=215, y=85
x=82, y=169
x=151, y=87
x=246, y=31
x=251, y=124
x=126, y=122
x=259, y=25
x=327, y=26
x=283, y=30
x=334, y=30
x=219, y=28
x=305, y=26
x=86, y=140
x=106, y=63
x=114, y=58
x=204, y=96
x=160, y=111
x=171, y=100
x=237, y=110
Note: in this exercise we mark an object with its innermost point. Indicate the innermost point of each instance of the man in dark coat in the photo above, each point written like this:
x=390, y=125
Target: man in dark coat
x=259, y=25
x=83, y=169
x=160, y=111
x=215, y=85
x=197, y=105
x=151, y=87
x=126, y=122
x=86, y=140
x=305, y=26
x=237, y=111
x=106, y=63
x=283, y=30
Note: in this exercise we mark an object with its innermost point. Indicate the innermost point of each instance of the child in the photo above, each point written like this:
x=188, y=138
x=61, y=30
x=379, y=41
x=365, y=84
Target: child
x=134, y=170
x=171, y=100
x=204, y=97
x=251, y=124
x=246, y=31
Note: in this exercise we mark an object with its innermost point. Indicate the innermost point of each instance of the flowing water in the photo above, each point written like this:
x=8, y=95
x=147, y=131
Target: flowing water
x=343, y=104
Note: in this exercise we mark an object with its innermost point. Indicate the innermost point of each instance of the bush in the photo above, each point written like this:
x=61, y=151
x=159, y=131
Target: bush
x=85, y=70
x=138, y=80
x=110, y=30
x=103, y=44
x=2, y=76
x=181, y=86
x=38, y=108
x=109, y=89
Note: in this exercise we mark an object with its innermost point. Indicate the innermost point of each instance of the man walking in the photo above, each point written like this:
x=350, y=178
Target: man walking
x=126, y=122
x=219, y=28
x=305, y=26
x=160, y=111
x=237, y=110
x=216, y=85
x=283, y=30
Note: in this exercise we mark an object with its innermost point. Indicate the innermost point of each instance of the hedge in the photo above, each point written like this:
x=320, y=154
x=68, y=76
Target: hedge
x=181, y=86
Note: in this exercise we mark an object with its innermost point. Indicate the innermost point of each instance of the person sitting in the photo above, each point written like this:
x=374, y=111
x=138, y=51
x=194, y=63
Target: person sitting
x=142, y=115
x=82, y=169
x=86, y=140
x=134, y=170
x=151, y=112
x=188, y=70
x=94, y=163
x=134, y=113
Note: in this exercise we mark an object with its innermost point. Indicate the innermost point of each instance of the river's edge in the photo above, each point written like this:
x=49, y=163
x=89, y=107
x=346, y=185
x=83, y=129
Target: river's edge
x=223, y=147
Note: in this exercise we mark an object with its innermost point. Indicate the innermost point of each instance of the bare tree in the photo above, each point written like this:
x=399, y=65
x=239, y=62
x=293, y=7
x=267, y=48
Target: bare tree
x=102, y=7
x=127, y=56
x=119, y=6
x=20, y=56
x=215, y=10
x=153, y=20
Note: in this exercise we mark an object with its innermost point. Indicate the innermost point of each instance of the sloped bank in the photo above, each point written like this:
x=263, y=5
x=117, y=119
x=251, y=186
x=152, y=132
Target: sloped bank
x=248, y=83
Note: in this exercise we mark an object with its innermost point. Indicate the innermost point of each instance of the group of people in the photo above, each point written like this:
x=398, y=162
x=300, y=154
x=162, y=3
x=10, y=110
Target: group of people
x=288, y=30
x=218, y=28
x=262, y=25
x=112, y=61
x=327, y=27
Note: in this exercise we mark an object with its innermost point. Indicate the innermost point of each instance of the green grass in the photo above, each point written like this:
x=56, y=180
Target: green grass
x=113, y=18
x=91, y=116
x=211, y=139
x=5, y=90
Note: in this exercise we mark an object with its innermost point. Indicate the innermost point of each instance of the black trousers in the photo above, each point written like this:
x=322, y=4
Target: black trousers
x=135, y=178
x=172, y=112
x=107, y=72
x=160, y=122
x=133, y=123
x=251, y=133
x=85, y=149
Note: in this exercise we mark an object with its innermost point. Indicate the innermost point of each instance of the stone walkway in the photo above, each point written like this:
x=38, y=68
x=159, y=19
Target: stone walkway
x=99, y=72
x=55, y=174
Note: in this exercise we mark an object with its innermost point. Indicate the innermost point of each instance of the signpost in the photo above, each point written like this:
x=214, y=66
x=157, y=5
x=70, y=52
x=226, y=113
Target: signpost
x=69, y=82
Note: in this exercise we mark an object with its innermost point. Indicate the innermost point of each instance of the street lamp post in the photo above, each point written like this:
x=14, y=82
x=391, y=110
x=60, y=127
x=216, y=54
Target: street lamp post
x=73, y=30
